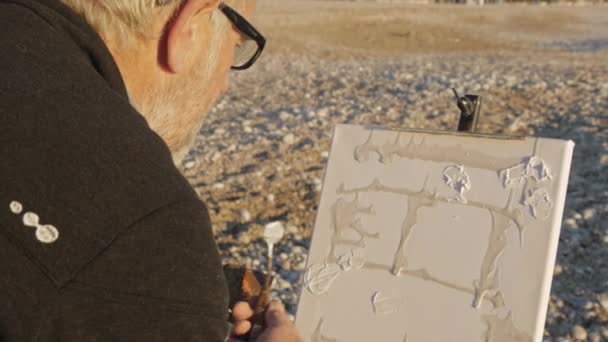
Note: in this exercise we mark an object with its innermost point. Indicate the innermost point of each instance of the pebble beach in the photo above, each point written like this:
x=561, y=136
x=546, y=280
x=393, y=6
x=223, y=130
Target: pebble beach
x=262, y=152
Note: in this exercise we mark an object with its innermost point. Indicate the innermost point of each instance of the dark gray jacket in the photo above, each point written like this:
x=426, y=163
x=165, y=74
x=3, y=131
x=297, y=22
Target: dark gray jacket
x=101, y=237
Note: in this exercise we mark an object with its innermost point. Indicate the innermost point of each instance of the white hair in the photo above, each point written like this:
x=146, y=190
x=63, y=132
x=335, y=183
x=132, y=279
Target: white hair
x=126, y=21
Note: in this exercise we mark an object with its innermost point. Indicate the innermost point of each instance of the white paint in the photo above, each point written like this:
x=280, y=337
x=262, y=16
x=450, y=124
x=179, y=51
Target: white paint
x=531, y=168
x=319, y=278
x=351, y=260
x=386, y=305
x=458, y=180
x=499, y=329
x=539, y=202
x=16, y=207
x=273, y=232
x=317, y=336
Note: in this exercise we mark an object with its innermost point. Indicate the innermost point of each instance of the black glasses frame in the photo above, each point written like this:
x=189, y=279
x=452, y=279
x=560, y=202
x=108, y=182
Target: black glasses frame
x=247, y=29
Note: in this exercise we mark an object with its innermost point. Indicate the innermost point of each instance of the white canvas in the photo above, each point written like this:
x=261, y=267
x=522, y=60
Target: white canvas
x=429, y=236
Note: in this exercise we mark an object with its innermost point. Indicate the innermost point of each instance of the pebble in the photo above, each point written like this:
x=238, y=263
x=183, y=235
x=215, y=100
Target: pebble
x=189, y=164
x=282, y=284
x=571, y=223
x=510, y=80
x=322, y=113
x=289, y=139
x=604, y=301
x=293, y=230
x=245, y=215
x=588, y=214
x=300, y=266
x=293, y=277
x=244, y=238
x=579, y=333
x=557, y=270
x=595, y=337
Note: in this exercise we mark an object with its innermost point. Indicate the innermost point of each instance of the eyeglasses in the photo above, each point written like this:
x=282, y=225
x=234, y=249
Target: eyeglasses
x=248, y=51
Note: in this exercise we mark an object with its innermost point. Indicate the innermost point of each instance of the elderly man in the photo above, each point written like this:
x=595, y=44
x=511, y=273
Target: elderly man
x=101, y=237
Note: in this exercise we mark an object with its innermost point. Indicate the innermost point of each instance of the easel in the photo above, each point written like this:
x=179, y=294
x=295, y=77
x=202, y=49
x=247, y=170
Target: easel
x=258, y=283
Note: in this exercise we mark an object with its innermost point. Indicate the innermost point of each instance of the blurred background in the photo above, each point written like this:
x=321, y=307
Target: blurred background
x=541, y=68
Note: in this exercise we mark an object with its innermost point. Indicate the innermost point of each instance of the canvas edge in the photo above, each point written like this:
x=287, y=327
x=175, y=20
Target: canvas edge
x=554, y=241
x=314, y=230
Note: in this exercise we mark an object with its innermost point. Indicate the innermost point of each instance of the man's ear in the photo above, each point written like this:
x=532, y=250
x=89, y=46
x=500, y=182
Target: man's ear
x=181, y=32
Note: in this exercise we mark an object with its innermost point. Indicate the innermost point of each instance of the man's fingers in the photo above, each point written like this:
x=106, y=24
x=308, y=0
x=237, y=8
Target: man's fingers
x=242, y=311
x=276, y=315
x=241, y=328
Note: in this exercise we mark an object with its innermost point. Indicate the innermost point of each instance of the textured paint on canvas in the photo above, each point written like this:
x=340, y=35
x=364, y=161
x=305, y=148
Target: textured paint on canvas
x=431, y=237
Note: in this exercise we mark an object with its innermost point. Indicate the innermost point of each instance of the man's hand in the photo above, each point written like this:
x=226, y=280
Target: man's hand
x=278, y=326
x=241, y=313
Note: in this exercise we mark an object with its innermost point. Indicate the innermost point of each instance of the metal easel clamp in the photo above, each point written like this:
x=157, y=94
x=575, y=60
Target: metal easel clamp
x=470, y=110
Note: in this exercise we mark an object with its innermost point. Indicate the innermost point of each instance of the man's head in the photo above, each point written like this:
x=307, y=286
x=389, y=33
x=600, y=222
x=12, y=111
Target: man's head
x=174, y=55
